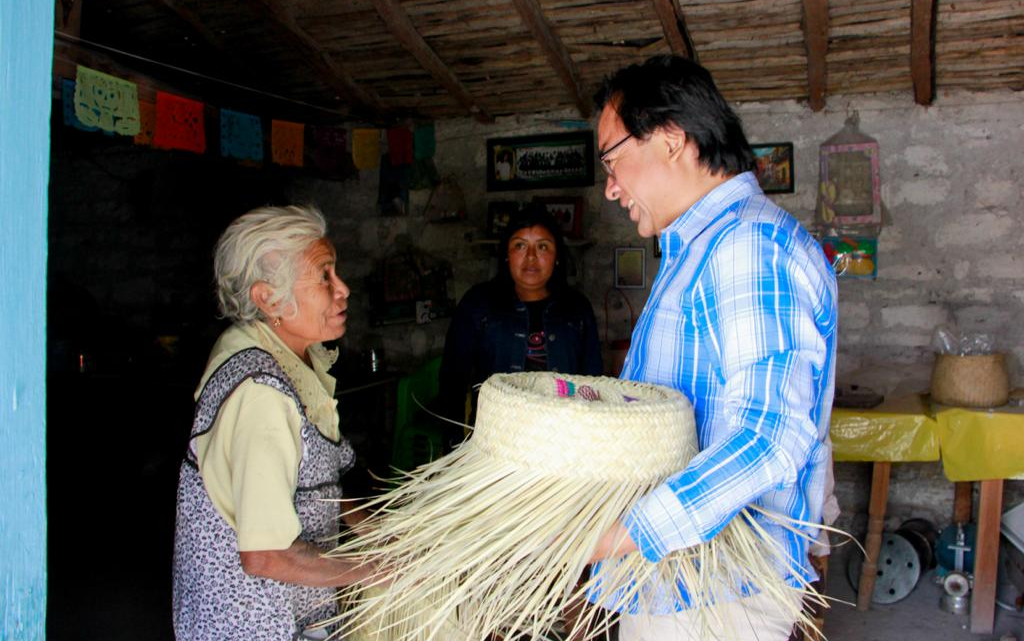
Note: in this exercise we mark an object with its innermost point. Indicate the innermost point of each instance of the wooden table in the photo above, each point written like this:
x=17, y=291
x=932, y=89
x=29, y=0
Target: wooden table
x=973, y=445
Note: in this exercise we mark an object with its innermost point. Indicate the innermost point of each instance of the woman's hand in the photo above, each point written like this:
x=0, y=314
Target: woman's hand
x=304, y=564
x=356, y=518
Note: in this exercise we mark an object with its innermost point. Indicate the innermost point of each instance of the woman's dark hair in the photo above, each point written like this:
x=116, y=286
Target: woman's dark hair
x=534, y=214
x=671, y=90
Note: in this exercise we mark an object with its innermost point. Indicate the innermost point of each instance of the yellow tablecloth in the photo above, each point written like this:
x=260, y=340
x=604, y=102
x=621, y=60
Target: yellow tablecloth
x=972, y=444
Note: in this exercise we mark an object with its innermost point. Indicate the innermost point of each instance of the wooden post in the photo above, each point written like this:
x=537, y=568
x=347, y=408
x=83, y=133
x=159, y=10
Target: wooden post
x=963, y=500
x=26, y=55
x=876, y=521
x=986, y=557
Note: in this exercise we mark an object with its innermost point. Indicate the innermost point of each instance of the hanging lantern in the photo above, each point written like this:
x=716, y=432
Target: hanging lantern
x=849, y=187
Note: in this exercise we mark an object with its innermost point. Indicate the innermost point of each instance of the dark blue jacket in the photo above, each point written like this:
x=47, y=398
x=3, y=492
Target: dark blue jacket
x=488, y=334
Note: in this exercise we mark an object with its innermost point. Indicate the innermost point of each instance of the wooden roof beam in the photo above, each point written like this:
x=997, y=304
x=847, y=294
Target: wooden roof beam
x=922, y=50
x=557, y=55
x=674, y=26
x=334, y=72
x=402, y=28
x=209, y=37
x=815, y=26
x=68, y=17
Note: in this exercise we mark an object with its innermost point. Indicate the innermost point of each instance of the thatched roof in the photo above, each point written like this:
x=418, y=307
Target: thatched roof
x=392, y=59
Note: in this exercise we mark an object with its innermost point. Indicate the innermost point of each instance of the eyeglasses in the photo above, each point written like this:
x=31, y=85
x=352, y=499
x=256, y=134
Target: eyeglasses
x=604, y=155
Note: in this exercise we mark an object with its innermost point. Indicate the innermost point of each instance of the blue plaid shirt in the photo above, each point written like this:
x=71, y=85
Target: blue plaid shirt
x=741, y=319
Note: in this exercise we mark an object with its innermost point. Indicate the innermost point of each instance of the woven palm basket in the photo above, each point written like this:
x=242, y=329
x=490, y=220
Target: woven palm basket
x=493, y=538
x=970, y=381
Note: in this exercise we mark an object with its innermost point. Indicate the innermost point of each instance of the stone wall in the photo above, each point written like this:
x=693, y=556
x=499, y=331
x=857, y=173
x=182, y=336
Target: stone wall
x=948, y=252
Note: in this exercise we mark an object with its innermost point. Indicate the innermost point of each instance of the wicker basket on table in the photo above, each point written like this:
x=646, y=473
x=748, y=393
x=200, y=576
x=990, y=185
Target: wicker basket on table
x=970, y=381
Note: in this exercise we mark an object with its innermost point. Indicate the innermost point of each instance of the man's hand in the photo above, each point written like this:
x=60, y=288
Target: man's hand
x=613, y=544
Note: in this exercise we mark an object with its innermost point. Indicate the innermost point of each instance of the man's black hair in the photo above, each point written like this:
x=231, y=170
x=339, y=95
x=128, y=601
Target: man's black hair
x=671, y=90
x=534, y=214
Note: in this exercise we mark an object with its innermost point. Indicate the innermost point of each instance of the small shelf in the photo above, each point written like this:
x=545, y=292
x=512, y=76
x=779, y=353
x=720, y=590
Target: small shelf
x=569, y=242
x=582, y=243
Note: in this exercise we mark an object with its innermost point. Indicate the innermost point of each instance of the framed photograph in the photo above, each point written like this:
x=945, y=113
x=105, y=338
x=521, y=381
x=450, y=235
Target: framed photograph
x=499, y=214
x=542, y=161
x=630, y=268
x=567, y=212
x=774, y=167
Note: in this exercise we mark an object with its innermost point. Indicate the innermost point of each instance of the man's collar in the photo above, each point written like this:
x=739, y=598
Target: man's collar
x=705, y=211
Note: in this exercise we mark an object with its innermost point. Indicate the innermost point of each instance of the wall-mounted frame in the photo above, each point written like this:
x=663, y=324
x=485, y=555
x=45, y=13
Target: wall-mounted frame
x=542, y=161
x=774, y=167
x=850, y=187
x=567, y=212
x=630, y=268
x=499, y=215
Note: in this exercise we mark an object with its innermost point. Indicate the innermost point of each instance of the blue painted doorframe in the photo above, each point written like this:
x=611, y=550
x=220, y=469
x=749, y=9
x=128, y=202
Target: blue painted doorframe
x=26, y=54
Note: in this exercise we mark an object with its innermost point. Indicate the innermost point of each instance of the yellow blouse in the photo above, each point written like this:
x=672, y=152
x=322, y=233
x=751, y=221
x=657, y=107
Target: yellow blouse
x=249, y=460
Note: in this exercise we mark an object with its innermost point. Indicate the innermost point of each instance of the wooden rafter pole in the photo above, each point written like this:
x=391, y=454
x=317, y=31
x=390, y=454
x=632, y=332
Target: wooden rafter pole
x=674, y=26
x=209, y=37
x=402, y=28
x=189, y=16
x=922, y=50
x=68, y=17
x=815, y=26
x=553, y=47
x=333, y=71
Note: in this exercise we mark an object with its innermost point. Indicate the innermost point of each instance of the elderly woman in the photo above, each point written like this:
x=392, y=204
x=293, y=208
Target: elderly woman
x=258, y=489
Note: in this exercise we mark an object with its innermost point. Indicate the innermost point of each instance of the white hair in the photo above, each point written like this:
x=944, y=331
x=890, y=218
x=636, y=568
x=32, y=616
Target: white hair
x=265, y=244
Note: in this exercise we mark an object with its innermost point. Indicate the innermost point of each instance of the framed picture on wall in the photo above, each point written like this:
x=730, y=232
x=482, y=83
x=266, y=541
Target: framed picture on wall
x=630, y=268
x=774, y=167
x=537, y=162
x=567, y=212
x=499, y=214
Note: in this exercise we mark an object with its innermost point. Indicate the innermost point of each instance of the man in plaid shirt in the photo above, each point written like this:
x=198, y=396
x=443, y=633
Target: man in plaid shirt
x=741, y=318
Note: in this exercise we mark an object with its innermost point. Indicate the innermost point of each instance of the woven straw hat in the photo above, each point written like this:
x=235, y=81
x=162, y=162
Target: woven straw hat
x=586, y=427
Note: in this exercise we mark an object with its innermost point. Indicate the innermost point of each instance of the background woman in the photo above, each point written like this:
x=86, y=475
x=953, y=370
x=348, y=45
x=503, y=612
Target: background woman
x=526, y=319
x=265, y=447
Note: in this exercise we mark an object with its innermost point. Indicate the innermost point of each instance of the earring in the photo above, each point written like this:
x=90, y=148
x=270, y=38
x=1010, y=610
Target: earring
x=277, y=322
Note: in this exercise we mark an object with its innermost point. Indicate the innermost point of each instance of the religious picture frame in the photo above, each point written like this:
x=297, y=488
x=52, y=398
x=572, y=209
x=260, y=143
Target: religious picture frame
x=567, y=212
x=541, y=161
x=774, y=167
x=849, y=187
x=499, y=215
x=630, y=268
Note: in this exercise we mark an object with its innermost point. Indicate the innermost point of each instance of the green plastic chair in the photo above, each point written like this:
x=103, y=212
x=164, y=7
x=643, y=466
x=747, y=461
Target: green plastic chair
x=418, y=436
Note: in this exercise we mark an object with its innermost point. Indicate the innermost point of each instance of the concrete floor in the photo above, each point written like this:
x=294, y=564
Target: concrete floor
x=915, y=618
x=138, y=606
